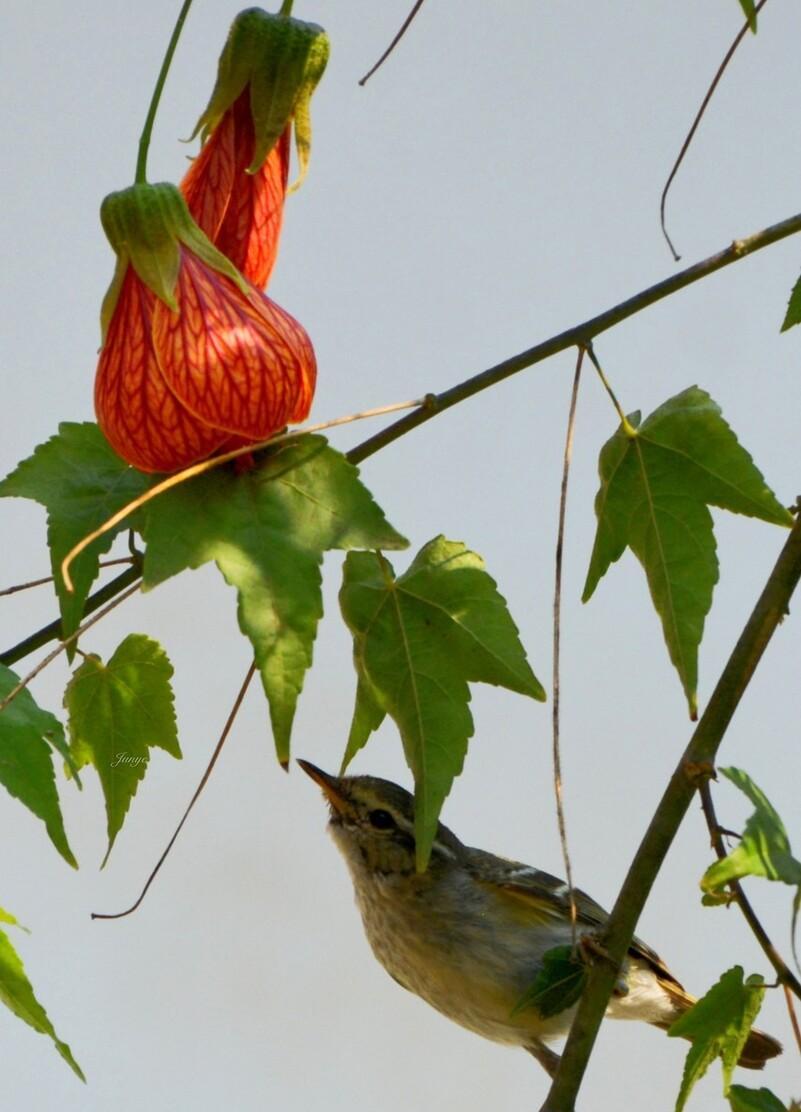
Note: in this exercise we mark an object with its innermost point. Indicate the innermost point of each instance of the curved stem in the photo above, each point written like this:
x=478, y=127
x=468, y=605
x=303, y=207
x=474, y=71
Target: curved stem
x=785, y=975
x=695, y=765
x=147, y=130
x=403, y=29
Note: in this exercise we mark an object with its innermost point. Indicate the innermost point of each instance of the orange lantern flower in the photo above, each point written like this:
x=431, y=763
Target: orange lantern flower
x=194, y=358
x=235, y=188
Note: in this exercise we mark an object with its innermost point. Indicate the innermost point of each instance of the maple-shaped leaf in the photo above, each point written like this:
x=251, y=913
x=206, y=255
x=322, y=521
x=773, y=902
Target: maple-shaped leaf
x=764, y=849
x=117, y=713
x=16, y=992
x=657, y=481
x=718, y=1026
x=81, y=482
x=267, y=531
x=418, y=640
x=558, y=985
x=742, y=1099
x=28, y=736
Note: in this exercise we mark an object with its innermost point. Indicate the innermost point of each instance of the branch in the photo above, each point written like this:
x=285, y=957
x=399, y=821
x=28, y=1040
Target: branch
x=579, y=334
x=694, y=766
x=785, y=975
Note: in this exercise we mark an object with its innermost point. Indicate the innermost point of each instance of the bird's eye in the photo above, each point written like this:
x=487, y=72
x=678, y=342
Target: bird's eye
x=381, y=820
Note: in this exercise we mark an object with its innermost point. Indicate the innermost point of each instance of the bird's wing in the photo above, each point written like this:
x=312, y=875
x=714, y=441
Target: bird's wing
x=546, y=899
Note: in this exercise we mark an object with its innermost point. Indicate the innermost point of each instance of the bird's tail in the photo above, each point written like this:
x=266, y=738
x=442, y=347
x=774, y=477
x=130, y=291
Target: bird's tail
x=758, y=1048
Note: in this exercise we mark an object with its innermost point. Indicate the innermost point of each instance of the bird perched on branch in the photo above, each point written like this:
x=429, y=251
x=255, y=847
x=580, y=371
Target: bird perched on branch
x=470, y=933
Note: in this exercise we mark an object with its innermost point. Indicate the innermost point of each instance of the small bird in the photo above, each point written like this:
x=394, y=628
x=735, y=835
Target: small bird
x=469, y=934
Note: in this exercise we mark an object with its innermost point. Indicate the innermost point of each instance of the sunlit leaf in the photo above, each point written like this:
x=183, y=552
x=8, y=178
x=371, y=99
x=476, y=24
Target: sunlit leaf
x=267, y=531
x=16, y=992
x=718, y=1026
x=657, y=481
x=117, y=713
x=81, y=482
x=419, y=639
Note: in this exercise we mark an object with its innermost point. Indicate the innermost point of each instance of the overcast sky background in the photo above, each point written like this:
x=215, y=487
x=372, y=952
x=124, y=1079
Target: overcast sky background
x=495, y=183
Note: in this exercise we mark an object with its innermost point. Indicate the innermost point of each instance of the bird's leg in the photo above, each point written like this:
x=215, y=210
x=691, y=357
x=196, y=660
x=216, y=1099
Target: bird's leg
x=546, y=1058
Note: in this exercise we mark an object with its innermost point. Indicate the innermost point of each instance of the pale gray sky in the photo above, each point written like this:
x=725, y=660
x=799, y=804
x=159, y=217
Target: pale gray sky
x=496, y=182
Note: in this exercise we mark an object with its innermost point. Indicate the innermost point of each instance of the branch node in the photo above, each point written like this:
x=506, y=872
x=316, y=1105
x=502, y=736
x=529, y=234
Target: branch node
x=699, y=772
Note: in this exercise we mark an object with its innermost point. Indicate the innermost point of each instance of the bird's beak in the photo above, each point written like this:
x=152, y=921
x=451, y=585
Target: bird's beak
x=330, y=785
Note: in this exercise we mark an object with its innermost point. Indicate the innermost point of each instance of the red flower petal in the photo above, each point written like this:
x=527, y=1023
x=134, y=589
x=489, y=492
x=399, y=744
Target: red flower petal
x=141, y=419
x=241, y=213
x=237, y=362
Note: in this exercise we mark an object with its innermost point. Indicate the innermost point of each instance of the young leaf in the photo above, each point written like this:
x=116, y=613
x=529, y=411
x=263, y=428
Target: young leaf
x=763, y=850
x=28, y=735
x=117, y=713
x=418, y=640
x=267, y=531
x=558, y=985
x=754, y=1100
x=655, y=488
x=16, y=992
x=793, y=314
x=750, y=13
x=81, y=482
x=718, y=1026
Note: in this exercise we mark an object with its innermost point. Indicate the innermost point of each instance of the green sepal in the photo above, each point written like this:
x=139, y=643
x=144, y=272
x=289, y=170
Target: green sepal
x=281, y=61
x=146, y=226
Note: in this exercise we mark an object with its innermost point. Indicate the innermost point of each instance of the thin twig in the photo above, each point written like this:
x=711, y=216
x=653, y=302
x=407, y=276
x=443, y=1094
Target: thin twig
x=49, y=578
x=404, y=28
x=62, y=645
x=209, y=767
x=557, y=631
x=52, y=630
x=699, y=115
x=210, y=465
x=783, y=972
x=624, y=421
x=578, y=334
x=771, y=608
x=793, y=1017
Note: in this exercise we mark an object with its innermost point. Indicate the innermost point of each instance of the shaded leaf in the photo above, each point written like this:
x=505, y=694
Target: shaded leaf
x=793, y=314
x=764, y=849
x=81, y=482
x=656, y=483
x=558, y=984
x=16, y=992
x=267, y=531
x=28, y=736
x=754, y=1100
x=718, y=1026
x=117, y=713
x=419, y=639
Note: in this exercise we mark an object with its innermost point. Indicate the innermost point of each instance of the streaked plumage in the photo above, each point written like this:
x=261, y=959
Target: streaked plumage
x=469, y=934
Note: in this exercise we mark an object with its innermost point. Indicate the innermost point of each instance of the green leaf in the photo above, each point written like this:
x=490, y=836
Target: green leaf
x=117, y=713
x=793, y=314
x=368, y=714
x=81, y=482
x=418, y=640
x=750, y=13
x=267, y=531
x=655, y=488
x=558, y=985
x=718, y=1026
x=28, y=736
x=754, y=1100
x=16, y=992
x=764, y=849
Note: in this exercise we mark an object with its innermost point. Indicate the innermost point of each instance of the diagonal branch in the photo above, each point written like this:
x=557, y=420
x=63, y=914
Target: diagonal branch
x=695, y=765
